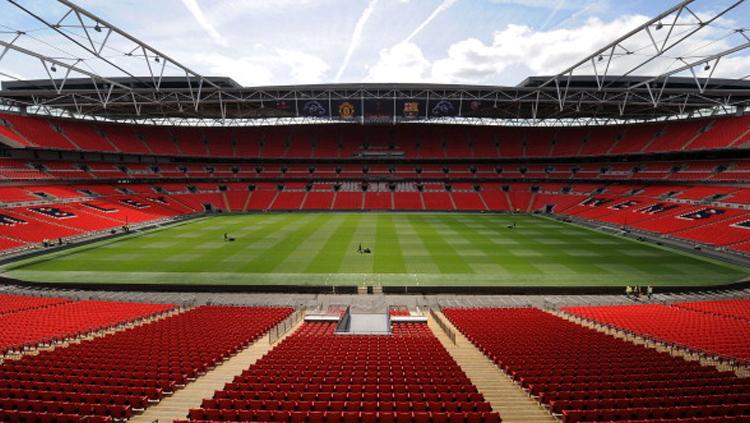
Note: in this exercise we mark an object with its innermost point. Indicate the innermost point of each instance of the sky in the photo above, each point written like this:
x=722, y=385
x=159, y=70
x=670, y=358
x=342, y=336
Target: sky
x=284, y=42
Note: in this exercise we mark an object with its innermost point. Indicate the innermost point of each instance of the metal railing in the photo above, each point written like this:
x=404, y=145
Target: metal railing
x=450, y=333
x=344, y=322
x=282, y=328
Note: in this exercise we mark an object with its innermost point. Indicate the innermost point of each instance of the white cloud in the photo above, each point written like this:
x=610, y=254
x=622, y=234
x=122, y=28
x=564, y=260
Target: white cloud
x=729, y=67
x=195, y=10
x=285, y=66
x=403, y=62
x=304, y=68
x=245, y=70
x=541, y=52
x=356, y=37
x=514, y=53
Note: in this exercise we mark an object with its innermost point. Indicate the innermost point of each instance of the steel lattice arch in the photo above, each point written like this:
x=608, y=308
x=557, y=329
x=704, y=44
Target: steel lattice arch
x=650, y=73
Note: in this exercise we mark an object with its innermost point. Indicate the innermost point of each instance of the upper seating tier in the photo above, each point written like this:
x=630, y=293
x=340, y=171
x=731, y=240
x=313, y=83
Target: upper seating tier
x=350, y=141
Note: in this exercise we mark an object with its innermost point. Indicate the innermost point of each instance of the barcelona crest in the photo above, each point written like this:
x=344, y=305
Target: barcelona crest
x=411, y=109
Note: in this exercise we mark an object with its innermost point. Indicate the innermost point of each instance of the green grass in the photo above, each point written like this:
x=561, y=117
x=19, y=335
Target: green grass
x=408, y=249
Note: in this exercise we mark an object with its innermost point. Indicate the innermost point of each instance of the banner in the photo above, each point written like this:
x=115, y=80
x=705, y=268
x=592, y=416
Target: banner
x=314, y=108
x=346, y=110
x=410, y=109
x=477, y=108
x=379, y=111
x=443, y=108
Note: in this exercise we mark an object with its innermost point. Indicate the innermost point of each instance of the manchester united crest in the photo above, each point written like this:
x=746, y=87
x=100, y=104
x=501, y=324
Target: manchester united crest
x=346, y=110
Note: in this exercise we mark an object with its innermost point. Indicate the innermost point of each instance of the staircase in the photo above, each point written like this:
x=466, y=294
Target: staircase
x=304, y=200
x=273, y=200
x=247, y=201
x=531, y=202
x=484, y=203
x=505, y=396
x=509, y=201
x=225, y=199
x=453, y=202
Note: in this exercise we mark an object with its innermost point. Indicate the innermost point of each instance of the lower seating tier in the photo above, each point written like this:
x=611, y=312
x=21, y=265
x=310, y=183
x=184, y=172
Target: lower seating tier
x=657, y=209
x=113, y=375
x=317, y=376
x=583, y=375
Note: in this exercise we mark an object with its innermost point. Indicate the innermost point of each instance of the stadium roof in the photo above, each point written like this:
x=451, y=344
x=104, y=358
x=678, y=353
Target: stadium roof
x=380, y=103
x=110, y=74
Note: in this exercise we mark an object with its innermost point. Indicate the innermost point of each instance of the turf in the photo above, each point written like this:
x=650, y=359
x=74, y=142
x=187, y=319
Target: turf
x=407, y=249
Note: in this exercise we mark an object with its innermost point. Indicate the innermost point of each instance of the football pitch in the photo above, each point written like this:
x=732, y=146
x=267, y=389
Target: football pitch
x=412, y=249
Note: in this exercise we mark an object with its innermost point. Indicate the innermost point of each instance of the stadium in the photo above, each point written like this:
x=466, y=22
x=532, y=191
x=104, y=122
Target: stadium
x=178, y=246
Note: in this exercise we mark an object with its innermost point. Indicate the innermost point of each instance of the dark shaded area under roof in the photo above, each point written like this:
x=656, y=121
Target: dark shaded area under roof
x=223, y=98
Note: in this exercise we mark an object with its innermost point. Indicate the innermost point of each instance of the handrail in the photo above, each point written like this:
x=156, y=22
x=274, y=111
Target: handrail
x=448, y=331
x=278, y=331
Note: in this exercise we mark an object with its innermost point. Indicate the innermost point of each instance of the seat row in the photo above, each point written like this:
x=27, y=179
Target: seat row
x=658, y=414
x=234, y=392
x=738, y=308
x=370, y=406
x=12, y=416
x=204, y=416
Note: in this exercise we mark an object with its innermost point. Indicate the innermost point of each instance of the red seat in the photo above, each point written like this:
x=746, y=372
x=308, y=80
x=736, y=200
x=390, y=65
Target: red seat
x=404, y=417
x=387, y=417
x=316, y=417
x=333, y=417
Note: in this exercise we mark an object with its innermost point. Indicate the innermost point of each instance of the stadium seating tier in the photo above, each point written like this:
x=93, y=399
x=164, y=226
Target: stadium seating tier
x=111, y=376
x=586, y=376
x=423, y=142
x=317, y=376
